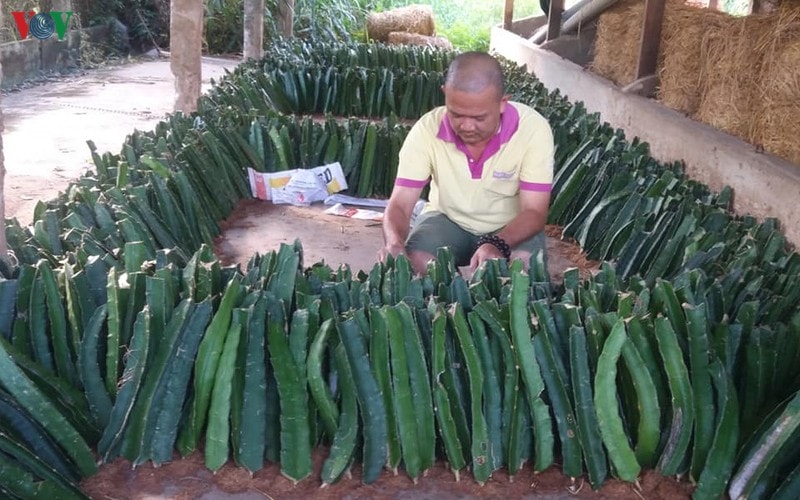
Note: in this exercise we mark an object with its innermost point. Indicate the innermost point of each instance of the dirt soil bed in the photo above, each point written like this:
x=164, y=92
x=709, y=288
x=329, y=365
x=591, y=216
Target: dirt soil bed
x=259, y=226
x=189, y=479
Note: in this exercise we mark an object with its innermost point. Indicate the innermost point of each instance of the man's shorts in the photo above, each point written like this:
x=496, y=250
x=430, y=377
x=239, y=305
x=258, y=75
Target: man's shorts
x=434, y=229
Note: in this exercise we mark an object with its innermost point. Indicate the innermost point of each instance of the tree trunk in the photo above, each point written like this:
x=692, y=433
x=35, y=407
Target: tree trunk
x=3, y=243
x=55, y=5
x=286, y=17
x=253, y=29
x=186, y=45
x=61, y=5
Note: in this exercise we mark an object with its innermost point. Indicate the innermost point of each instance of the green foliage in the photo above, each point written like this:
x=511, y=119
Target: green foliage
x=326, y=21
x=467, y=23
x=147, y=20
x=329, y=20
x=223, y=25
x=467, y=36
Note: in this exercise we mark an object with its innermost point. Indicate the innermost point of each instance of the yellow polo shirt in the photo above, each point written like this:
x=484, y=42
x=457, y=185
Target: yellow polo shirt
x=479, y=194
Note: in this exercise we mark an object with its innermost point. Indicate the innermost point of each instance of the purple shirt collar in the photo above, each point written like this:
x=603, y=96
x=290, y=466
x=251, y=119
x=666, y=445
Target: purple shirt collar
x=509, y=123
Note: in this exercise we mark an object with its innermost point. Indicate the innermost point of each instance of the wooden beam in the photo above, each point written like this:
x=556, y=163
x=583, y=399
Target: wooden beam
x=713, y=4
x=508, y=16
x=554, y=19
x=651, y=38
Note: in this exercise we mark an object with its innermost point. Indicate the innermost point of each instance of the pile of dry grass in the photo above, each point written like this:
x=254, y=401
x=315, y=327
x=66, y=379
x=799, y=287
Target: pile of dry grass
x=412, y=19
x=732, y=56
x=619, y=36
x=682, y=39
x=738, y=74
x=776, y=123
x=405, y=38
x=616, y=47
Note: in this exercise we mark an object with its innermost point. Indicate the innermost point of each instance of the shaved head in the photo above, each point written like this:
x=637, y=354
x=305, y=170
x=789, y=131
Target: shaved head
x=474, y=72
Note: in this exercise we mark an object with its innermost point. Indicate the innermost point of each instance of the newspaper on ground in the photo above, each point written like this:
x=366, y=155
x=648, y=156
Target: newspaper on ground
x=352, y=200
x=295, y=186
x=366, y=214
x=353, y=212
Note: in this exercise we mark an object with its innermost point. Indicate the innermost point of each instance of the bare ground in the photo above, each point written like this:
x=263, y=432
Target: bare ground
x=189, y=479
x=260, y=226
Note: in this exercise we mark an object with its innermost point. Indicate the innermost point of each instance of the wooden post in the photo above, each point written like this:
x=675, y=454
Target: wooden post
x=253, y=46
x=61, y=5
x=185, y=48
x=508, y=17
x=3, y=244
x=554, y=19
x=286, y=17
x=651, y=38
x=55, y=5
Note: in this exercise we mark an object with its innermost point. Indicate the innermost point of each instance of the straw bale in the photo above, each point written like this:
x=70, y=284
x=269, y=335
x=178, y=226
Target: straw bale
x=412, y=18
x=405, y=38
x=777, y=120
x=682, y=36
x=619, y=37
x=616, y=48
x=731, y=55
x=738, y=74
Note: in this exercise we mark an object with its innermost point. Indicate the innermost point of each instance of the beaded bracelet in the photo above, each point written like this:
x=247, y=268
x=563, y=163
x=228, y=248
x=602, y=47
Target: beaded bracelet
x=496, y=241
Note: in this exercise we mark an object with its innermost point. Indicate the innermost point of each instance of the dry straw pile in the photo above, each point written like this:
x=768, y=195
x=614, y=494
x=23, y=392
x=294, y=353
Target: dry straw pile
x=682, y=43
x=616, y=47
x=776, y=124
x=738, y=74
x=412, y=19
x=731, y=74
x=405, y=38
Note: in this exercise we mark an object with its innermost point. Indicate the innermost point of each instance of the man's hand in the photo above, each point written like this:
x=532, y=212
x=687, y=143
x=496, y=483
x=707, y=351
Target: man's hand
x=393, y=250
x=396, y=219
x=530, y=220
x=484, y=252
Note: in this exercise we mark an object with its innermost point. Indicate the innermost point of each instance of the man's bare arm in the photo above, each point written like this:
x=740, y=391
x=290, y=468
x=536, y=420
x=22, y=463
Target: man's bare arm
x=396, y=219
x=531, y=219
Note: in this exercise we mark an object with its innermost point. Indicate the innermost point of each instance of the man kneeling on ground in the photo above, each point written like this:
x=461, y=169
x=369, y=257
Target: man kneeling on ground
x=490, y=165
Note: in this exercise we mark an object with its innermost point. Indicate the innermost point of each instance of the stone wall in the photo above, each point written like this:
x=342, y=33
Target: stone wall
x=32, y=57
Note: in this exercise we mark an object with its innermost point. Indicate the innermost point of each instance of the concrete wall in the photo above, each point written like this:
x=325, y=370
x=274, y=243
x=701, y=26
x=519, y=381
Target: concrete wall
x=29, y=58
x=764, y=185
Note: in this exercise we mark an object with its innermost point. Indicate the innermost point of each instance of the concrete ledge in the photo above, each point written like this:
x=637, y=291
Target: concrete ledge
x=20, y=61
x=28, y=58
x=764, y=185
